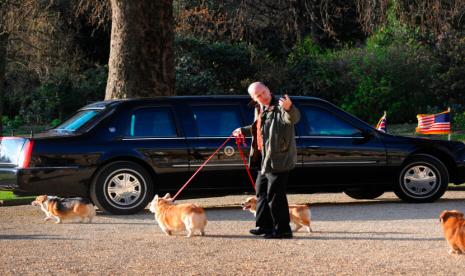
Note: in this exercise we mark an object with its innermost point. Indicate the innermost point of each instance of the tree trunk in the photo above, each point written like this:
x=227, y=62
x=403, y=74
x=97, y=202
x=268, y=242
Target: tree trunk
x=3, y=44
x=141, y=62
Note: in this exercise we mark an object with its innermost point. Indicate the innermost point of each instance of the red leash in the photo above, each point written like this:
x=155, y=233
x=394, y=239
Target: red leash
x=239, y=140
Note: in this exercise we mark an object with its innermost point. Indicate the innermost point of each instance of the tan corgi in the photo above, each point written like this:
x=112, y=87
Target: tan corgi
x=453, y=225
x=300, y=215
x=63, y=208
x=178, y=217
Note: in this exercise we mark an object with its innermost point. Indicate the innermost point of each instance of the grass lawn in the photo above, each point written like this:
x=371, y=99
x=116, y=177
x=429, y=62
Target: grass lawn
x=6, y=195
x=9, y=196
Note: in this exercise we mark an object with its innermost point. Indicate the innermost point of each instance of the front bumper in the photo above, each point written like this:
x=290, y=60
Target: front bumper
x=460, y=174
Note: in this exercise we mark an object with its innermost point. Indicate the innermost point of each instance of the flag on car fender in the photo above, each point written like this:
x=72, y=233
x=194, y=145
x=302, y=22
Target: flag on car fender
x=381, y=126
x=434, y=123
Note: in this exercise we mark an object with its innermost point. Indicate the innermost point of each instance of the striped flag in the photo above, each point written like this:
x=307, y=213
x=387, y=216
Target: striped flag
x=381, y=126
x=434, y=123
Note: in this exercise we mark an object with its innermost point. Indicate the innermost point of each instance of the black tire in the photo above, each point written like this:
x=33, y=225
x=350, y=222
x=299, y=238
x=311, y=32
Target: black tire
x=364, y=193
x=423, y=178
x=121, y=188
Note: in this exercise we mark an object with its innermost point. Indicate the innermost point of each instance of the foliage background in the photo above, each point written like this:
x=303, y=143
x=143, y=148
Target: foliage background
x=405, y=57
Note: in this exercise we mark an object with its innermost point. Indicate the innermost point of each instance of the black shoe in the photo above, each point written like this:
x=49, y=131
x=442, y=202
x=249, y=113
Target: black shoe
x=260, y=231
x=275, y=235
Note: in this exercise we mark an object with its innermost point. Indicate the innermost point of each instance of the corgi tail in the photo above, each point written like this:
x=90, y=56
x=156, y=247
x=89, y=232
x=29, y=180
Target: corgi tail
x=199, y=220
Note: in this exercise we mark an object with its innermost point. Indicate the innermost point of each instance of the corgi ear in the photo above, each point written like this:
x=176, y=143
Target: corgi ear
x=156, y=197
x=441, y=216
x=167, y=196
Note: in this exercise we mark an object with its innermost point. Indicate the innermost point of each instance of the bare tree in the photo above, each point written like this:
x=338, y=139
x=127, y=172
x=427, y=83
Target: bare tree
x=14, y=17
x=276, y=23
x=433, y=16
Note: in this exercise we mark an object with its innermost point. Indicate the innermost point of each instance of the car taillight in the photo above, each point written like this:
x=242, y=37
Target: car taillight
x=25, y=156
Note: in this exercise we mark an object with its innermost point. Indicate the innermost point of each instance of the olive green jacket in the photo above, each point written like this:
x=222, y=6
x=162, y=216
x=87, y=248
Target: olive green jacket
x=279, y=153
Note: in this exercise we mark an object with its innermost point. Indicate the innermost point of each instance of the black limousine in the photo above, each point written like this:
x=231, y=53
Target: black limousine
x=121, y=152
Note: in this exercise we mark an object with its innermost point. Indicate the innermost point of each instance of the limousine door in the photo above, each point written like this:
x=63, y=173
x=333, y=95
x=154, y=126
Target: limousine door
x=335, y=152
x=154, y=133
x=210, y=127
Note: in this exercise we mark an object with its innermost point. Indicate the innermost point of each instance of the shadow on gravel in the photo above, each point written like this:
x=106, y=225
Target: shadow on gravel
x=33, y=237
x=140, y=216
x=241, y=237
x=361, y=232
x=128, y=223
x=229, y=214
x=332, y=238
x=377, y=211
x=383, y=201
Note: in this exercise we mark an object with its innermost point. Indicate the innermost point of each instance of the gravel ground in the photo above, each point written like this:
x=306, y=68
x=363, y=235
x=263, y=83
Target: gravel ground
x=377, y=237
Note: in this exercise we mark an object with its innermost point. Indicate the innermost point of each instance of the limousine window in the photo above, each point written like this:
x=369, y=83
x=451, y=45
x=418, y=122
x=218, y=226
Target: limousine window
x=216, y=121
x=78, y=120
x=152, y=122
x=321, y=122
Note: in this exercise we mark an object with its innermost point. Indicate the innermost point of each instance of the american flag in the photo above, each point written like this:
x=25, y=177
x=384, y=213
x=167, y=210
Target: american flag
x=434, y=123
x=381, y=126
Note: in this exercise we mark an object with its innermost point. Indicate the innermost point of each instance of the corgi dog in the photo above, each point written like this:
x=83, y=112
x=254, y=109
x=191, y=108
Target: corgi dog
x=453, y=225
x=300, y=215
x=173, y=217
x=63, y=208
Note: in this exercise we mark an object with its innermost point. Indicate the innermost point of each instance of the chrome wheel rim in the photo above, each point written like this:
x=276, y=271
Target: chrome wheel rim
x=123, y=188
x=420, y=180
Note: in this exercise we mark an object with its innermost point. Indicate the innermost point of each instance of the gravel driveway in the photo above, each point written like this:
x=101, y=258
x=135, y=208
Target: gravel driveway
x=383, y=236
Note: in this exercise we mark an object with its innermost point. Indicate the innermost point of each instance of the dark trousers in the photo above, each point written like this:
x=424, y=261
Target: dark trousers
x=272, y=207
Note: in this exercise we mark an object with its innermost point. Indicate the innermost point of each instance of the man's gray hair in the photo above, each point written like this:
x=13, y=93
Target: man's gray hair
x=255, y=85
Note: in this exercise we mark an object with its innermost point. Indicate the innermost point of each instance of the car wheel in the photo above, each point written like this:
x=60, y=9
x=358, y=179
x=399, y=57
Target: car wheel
x=121, y=188
x=364, y=193
x=423, y=178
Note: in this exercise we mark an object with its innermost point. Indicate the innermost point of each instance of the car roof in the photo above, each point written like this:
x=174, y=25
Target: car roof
x=114, y=102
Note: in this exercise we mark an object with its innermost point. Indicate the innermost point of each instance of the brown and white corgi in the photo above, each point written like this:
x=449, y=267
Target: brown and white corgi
x=300, y=215
x=178, y=217
x=453, y=225
x=64, y=208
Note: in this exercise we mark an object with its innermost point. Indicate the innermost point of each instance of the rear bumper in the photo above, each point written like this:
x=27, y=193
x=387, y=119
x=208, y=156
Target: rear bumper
x=63, y=181
x=9, y=179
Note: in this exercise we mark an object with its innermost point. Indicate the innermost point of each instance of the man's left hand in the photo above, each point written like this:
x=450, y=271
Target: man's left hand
x=285, y=102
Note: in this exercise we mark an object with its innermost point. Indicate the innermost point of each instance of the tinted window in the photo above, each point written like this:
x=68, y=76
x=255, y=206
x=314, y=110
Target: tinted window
x=321, y=122
x=153, y=122
x=216, y=120
x=78, y=120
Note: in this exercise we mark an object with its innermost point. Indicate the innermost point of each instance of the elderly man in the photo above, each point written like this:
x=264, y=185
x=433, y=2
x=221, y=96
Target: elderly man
x=274, y=152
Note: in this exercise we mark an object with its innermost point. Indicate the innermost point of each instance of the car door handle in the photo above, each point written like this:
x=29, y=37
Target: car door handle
x=313, y=147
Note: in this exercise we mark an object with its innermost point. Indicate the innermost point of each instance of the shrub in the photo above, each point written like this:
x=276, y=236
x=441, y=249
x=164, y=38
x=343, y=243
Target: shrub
x=211, y=68
x=392, y=72
x=62, y=94
x=54, y=123
x=458, y=121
